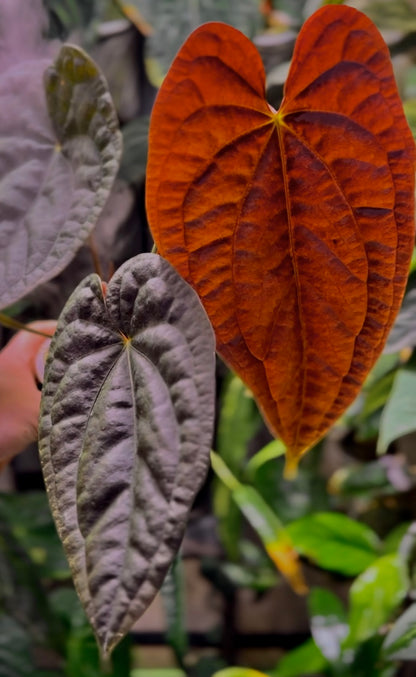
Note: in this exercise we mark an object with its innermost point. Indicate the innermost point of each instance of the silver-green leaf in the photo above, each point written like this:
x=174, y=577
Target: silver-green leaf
x=58, y=155
x=125, y=431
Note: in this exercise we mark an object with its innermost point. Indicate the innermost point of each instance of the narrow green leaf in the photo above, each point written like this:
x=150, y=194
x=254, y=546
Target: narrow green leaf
x=329, y=624
x=398, y=417
x=374, y=596
x=238, y=421
x=265, y=522
x=174, y=601
x=275, y=449
x=335, y=542
x=58, y=157
x=125, y=430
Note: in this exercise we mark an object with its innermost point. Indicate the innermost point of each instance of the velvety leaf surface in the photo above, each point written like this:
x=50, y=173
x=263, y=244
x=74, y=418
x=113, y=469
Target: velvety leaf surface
x=125, y=433
x=54, y=178
x=295, y=227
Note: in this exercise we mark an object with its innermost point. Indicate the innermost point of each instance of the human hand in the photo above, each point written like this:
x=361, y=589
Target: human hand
x=21, y=366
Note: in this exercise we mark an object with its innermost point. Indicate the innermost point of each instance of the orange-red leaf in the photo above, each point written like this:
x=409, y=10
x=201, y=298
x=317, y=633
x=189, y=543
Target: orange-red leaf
x=295, y=227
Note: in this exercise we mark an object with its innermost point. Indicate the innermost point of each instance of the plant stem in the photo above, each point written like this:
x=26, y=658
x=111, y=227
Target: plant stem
x=11, y=323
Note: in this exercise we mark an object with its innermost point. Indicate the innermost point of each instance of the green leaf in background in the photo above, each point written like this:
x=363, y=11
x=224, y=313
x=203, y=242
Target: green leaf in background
x=398, y=15
x=66, y=15
x=383, y=477
x=335, y=542
x=239, y=672
x=22, y=595
x=265, y=522
x=399, y=415
x=301, y=496
x=238, y=422
x=374, y=596
x=400, y=643
x=304, y=661
x=125, y=431
x=135, y=142
x=29, y=517
x=15, y=650
x=403, y=333
x=366, y=660
x=56, y=172
x=83, y=656
x=170, y=23
x=157, y=672
x=394, y=538
x=275, y=449
x=174, y=601
x=409, y=108
x=329, y=623
x=407, y=553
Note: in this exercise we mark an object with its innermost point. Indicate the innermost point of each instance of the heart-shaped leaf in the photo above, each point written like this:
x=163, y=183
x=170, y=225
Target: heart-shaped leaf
x=295, y=227
x=54, y=181
x=125, y=432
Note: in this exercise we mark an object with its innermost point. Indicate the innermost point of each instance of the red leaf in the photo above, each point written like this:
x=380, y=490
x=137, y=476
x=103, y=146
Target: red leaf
x=296, y=227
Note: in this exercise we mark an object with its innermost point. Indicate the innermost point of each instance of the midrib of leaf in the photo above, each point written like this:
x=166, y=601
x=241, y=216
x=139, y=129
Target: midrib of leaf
x=321, y=160
x=279, y=124
x=240, y=211
x=127, y=350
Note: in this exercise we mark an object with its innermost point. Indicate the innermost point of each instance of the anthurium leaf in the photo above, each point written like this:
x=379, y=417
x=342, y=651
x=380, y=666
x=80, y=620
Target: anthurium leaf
x=398, y=417
x=125, y=431
x=335, y=542
x=374, y=595
x=58, y=158
x=289, y=257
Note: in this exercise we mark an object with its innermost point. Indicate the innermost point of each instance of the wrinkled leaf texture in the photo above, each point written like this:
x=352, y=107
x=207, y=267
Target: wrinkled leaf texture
x=125, y=432
x=295, y=227
x=58, y=155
